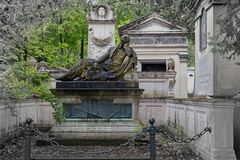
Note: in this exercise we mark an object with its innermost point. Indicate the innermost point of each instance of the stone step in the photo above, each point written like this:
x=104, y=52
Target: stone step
x=102, y=130
x=117, y=158
x=86, y=124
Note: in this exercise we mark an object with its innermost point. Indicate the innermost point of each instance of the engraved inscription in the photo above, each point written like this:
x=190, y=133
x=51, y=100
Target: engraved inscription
x=159, y=40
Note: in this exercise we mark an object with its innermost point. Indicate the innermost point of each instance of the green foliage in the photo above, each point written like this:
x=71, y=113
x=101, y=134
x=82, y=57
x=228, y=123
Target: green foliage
x=23, y=81
x=191, y=51
x=43, y=92
x=59, y=41
x=128, y=11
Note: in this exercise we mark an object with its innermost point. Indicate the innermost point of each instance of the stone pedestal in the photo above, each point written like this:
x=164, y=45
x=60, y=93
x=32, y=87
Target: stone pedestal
x=98, y=110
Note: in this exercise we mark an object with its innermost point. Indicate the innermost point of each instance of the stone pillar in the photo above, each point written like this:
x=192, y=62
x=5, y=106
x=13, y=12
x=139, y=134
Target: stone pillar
x=183, y=75
x=101, y=25
x=221, y=121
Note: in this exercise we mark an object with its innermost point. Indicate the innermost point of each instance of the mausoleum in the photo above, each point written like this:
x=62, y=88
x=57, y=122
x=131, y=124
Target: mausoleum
x=162, y=51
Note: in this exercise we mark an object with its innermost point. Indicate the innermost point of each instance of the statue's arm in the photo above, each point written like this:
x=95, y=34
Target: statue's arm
x=103, y=57
x=132, y=54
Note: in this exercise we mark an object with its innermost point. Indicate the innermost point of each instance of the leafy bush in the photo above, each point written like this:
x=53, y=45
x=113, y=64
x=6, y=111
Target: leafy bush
x=22, y=81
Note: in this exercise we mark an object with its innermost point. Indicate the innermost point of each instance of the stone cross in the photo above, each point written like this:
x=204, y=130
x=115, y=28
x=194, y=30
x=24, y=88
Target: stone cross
x=101, y=25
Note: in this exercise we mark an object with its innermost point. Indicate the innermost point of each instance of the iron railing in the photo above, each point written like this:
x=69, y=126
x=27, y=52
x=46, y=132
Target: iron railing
x=28, y=131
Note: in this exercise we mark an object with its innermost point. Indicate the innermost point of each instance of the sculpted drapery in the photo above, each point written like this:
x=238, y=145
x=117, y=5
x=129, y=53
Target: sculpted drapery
x=119, y=63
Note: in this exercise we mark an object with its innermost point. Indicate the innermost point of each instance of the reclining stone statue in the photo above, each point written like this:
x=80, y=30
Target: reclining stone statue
x=119, y=63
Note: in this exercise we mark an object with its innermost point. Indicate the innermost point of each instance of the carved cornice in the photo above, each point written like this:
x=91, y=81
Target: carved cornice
x=112, y=21
x=157, y=75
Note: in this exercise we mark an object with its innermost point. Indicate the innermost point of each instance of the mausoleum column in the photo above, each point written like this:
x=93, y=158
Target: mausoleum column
x=183, y=75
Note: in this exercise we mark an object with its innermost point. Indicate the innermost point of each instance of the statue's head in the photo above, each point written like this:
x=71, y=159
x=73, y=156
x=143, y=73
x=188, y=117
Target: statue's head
x=101, y=11
x=125, y=39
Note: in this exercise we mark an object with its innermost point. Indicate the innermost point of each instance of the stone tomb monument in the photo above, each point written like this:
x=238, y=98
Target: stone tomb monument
x=101, y=25
x=101, y=96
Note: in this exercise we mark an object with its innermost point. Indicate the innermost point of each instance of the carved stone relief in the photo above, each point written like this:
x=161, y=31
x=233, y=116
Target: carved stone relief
x=159, y=40
x=101, y=41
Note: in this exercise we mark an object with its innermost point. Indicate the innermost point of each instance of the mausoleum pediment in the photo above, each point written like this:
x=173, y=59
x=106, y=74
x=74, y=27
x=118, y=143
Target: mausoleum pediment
x=153, y=23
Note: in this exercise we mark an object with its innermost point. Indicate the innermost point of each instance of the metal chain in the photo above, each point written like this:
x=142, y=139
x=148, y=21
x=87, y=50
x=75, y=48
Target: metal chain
x=184, y=139
x=11, y=145
x=72, y=150
x=13, y=135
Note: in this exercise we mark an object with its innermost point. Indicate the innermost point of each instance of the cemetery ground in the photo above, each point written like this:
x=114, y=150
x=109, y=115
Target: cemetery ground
x=166, y=149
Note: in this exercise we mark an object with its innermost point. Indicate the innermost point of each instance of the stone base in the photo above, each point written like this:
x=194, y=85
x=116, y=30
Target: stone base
x=219, y=154
x=192, y=116
x=98, y=109
x=96, y=129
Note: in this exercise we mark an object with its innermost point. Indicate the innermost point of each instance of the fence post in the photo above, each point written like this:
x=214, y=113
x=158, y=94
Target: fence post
x=28, y=134
x=152, y=130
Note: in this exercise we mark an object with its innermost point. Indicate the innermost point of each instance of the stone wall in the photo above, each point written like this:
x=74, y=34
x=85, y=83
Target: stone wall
x=155, y=84
x=152, y=108
x=193, y=116
x=15, y=113
x=41, y=113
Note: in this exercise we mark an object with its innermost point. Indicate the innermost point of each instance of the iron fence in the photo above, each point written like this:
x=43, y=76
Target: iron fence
x=151, y=131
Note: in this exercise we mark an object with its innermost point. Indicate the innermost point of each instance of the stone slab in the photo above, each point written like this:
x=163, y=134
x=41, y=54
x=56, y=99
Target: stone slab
x=97, y=88
x=96, y=129
x=97, y=84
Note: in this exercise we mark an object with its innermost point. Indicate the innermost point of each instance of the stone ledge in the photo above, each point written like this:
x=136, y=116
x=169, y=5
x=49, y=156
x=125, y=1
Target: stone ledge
x=99, y=92
x=96, y=84
x=209, y=103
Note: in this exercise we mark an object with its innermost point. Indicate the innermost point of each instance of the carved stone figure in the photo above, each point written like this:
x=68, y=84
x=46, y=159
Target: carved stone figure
x=117, y=64
x=101, y=11
x=171, y=64
x=100, y=41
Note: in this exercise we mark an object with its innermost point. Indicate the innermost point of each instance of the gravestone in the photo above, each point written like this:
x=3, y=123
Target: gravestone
x=217, y=79
x=101, y=25
x=215, y=76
